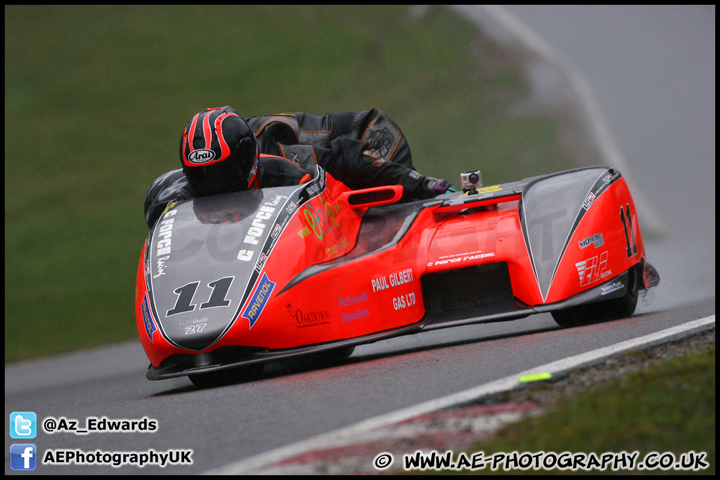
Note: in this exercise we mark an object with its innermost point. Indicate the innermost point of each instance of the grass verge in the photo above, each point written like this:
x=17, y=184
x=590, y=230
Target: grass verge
x=662, y=406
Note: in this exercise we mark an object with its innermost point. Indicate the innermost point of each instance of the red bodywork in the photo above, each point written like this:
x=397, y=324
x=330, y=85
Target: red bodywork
x=353, y=267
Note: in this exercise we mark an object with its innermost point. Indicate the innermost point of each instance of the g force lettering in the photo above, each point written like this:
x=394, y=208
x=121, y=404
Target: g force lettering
x=165, y=233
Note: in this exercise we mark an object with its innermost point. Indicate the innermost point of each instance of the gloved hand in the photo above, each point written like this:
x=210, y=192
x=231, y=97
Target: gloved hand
x=432, y=187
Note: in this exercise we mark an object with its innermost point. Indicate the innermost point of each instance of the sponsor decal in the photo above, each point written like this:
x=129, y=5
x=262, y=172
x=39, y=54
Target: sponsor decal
x=490, y=189
x=393, y=280
x=308, y=319
x=596, y=240
x=612, y=287
x=257, y=229
x=194, y=321
x=356, y=315
x=359, y=312
x=333, y=250
x=261, y=261
x=161, y=266
x=589, y=200
x=304, y=232
x=275, y=201
x=245, y=255
x=460, y=258
x=404, y=301
x=201, y=156
x=314, y=188
x=194, y=326
x=599, y=187
x=593, y=269
x=259, y=301
x=147, y=319
x=320, y=220
x=164, y=233
x=258, y=226
x=348, y=301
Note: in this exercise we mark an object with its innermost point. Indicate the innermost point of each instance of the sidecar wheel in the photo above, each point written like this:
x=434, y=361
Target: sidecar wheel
x=604, y=311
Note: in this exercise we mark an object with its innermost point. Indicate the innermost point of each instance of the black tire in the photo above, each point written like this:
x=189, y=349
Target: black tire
x=228, y=376
x=598, y=312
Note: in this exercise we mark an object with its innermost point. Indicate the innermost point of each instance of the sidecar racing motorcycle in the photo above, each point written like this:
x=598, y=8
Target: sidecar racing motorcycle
x=230, y=282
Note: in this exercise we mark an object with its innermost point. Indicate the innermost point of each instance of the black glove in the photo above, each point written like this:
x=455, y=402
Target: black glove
x=431, y=187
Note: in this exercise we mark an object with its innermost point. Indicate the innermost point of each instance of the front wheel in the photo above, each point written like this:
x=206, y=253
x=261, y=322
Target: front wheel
x=614, y=309
x=229, y=376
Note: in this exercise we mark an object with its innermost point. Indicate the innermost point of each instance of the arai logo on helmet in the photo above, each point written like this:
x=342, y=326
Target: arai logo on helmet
x=201, y=156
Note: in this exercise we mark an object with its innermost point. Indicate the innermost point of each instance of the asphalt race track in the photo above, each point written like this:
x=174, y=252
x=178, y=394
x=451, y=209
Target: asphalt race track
x=652, y=73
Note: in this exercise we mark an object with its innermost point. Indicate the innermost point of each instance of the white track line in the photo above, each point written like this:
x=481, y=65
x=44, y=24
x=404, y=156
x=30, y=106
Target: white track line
x=353, y=433
x=595, y=118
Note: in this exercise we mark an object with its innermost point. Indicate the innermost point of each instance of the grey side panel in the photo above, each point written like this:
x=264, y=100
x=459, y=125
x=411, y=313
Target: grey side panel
x=551, y=209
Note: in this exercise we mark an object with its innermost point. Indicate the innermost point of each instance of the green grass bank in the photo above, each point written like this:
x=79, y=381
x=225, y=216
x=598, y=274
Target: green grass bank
x=664, y=409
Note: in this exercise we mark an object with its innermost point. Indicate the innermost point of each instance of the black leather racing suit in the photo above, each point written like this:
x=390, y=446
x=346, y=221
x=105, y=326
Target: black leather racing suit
x=365, y=149
x=362, y=150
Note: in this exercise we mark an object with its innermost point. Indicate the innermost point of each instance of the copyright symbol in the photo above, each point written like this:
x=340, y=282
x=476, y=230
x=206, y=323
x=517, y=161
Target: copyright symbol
x=49, y=425
x=383, y=461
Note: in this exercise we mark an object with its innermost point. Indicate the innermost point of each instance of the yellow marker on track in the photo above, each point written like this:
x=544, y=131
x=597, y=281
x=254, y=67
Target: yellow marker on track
x=535, y=378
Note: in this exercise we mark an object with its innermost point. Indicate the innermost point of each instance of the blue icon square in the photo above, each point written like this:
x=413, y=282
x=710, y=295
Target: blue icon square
x=23, y=456
x=23, y=425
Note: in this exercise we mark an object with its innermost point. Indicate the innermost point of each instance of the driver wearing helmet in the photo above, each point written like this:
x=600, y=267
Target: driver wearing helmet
x=222, y=152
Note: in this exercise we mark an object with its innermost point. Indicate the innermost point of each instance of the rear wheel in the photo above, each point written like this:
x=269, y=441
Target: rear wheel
x=229, y=376
x=614, y=309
